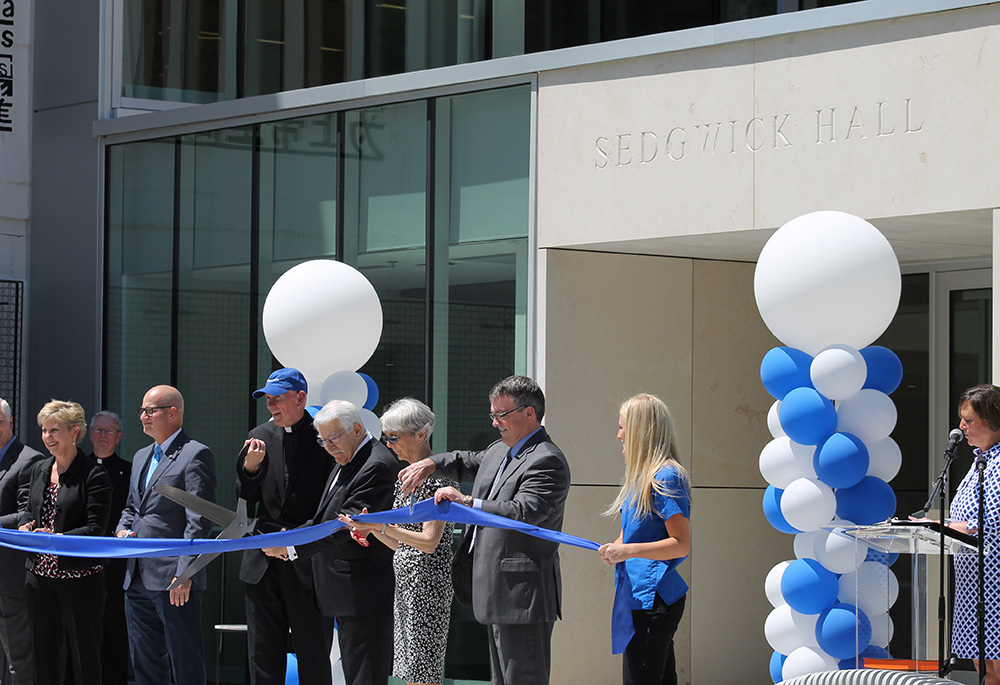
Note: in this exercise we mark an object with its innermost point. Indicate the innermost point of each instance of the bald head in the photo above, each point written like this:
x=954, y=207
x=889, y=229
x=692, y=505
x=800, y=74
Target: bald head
x=162, y=412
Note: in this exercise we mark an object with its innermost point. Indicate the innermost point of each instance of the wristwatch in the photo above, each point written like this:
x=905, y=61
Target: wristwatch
x=467, y=500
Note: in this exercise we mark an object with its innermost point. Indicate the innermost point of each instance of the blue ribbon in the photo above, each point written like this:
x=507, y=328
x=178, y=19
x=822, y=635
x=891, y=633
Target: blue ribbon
x=119, y=548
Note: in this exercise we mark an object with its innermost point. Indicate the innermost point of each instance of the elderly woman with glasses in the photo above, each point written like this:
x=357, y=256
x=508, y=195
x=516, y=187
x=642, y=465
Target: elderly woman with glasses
x=422, y=559
x=68, y=494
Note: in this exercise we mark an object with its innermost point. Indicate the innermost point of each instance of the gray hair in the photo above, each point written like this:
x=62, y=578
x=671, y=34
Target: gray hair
x=4, y=408
x=105, y=414
x=523, y=391
x=337, y=410
x=407, y=415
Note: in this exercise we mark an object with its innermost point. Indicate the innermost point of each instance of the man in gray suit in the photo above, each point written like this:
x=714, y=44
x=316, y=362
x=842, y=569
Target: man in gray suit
x=164, y=626
x=15, y=459
x=516, y=585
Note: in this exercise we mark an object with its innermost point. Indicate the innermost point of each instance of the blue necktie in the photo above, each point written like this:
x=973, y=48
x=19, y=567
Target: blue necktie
x=153, y=463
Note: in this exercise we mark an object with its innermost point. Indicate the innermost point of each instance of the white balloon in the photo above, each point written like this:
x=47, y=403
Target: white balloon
x=314, y=392
x=808, y=504
x=870, y=415
x=371, y=422
x=345, y=385
x=787, y=630
x=824, y=278
x=772, y=583
x=322, y=316
x=803, y=545
x=873, y=588
x=882, y=629
x=773, y=422
x=838, y=372
x=783, y=460
x=837, y=551
x=805, y=660
x=884, y=459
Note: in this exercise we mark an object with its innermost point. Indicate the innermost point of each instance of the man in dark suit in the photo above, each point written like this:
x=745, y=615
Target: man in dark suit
x=516, y=585
x=354, y=583
x=105, y=434
x=164, y=625
x=15, y=635
x=280, y=473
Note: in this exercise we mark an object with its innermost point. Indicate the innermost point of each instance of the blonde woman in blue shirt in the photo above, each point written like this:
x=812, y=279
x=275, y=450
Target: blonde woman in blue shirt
x=654, y=502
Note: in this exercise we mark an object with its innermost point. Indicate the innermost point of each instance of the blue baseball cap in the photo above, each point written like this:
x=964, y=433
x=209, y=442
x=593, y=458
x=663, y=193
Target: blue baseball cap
x=281, y=381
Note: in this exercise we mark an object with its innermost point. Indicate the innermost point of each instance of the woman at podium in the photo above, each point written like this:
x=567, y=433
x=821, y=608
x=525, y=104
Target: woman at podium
x=654, y=502
x=979, y=410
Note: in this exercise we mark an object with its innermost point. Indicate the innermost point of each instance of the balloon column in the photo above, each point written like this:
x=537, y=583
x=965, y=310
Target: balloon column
x=325, y=319
x=827, y=284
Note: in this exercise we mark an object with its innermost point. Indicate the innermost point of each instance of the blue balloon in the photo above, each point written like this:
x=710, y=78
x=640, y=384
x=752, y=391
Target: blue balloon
x=807, y=587
x=807, y=417
x=777, y=661
x=372, y=392
x=841, y=461
x=772, y=511
x=884, y=558
x=885, y=371
x=312, y=409
x=870, y=501
x=875, y=652
x=783, y=369
x=851, y=664
x=843, y=631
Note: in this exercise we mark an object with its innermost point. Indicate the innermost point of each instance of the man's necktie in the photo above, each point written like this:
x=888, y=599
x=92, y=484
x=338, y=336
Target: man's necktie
x=493, y=492
x=153, y=463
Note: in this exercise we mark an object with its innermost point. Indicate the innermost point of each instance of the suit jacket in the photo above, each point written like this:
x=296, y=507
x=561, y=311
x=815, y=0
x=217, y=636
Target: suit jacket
x=352, y=580
x=188, y=465
x=82, y=505
x=515, y=577
x=14, y=466
x=268, y=498
x=120, y=473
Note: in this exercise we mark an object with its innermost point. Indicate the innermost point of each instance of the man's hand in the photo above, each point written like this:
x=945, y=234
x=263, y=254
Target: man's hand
x=180, y=594
x=451, y=494
x=255, y=455
x=414, y=475
x=276, y=552
x=125, y=533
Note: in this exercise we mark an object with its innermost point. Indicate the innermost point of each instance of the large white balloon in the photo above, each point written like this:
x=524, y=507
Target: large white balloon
x=786, y=630
x=824, y=278
x=322, y=316
x=837, y=551
x=884, y=459
x=882, y=629
x=805, y=660
x=345, y=385
x=803, y=545
x=838, y=372
x=808, y=504
x=371, y=422
x=772, y=583
x=782, y=461
x=873, y=588
x=870, y=415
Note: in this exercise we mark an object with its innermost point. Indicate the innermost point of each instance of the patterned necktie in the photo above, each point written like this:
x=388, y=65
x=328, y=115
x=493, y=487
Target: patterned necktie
x=153, y=463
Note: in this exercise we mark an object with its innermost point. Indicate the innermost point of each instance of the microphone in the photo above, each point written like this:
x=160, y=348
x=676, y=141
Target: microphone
x=954, y=438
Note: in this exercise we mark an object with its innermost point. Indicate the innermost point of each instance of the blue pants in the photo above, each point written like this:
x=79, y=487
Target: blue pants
x=164, y=638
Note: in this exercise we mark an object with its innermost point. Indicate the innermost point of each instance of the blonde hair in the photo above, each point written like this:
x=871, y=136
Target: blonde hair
x=70, y=414
x=650, y=444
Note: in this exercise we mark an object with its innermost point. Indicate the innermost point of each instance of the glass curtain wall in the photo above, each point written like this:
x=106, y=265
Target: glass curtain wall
x=428, y=199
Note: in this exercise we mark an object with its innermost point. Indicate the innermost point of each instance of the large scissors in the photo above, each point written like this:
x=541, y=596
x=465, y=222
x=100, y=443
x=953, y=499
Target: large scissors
x=235, y=524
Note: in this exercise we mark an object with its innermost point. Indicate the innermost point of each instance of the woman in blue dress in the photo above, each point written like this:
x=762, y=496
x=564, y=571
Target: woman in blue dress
x=979, y=410
x=654, y=502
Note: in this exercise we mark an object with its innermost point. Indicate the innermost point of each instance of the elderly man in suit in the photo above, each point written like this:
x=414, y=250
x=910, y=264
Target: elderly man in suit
x=15, y=635
x=516, y=584
x=280, y=473
x=165, y=625
x=354, y=582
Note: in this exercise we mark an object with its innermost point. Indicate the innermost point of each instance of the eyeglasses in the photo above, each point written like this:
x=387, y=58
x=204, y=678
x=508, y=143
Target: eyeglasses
x=323, y=442
x=149, y=411
x=393, y=439
x=503, y=414
x=107, y=431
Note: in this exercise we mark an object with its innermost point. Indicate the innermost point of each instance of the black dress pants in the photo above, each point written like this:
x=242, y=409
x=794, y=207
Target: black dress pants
x=649, y=657
x=73, y=605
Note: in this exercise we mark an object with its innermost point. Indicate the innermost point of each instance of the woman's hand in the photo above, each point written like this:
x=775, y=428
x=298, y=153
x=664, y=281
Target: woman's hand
x=360, y=526
x=613, y=552
x=27, y=527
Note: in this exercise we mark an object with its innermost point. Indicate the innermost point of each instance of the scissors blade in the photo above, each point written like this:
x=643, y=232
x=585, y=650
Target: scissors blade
x=239, y=527
x=213, y=512
x=413, y=500
x=198, y=564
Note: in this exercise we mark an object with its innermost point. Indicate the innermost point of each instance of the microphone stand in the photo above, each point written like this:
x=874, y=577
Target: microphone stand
x=945, y=666
x=981, y=576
